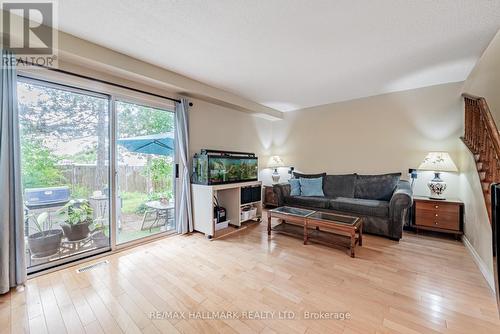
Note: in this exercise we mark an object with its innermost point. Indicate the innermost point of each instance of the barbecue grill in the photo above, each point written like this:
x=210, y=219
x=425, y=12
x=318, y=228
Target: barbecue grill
x=40, y=198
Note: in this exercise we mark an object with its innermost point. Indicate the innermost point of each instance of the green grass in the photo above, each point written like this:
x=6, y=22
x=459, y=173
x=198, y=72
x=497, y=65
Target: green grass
x=134, y=235
x=132, y=200
x=126, y=236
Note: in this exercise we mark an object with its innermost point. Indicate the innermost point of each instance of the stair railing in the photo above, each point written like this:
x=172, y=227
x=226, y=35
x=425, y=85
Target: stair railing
x=483, y=140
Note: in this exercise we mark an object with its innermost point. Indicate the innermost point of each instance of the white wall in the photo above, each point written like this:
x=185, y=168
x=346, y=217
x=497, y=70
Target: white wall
x=477, y=224
x=483, y=81
x=379, y=134
x=215, y=127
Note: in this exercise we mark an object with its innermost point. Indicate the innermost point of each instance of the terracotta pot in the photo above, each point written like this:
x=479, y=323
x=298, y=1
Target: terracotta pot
x=44, y=244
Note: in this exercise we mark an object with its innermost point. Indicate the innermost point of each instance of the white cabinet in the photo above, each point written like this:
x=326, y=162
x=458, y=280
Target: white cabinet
x=229, y=197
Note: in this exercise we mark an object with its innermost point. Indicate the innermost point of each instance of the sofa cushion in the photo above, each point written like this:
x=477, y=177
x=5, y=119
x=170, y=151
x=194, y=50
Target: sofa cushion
x=311, y=187
x=367, y=207
x=308, y=176
x=339, y=185
x=376, y=187
x=294, y=187
x=306, y=201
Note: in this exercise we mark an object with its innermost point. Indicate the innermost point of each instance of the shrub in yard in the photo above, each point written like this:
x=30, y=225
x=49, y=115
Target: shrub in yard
x=39, y=165
x=79, y=191
x=160, y=169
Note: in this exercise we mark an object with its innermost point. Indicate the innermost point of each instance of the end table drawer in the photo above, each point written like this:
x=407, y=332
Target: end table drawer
x=438, y=207
x=438, y=219
x=444, y=216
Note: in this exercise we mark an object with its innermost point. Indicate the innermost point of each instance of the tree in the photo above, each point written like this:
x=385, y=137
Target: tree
x=160, y=170
x=137, y=120
x=56, y=115
x=49, y=116
x=39, y=166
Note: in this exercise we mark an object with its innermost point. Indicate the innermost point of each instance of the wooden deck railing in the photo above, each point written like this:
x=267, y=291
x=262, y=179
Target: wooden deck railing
x=483, y=140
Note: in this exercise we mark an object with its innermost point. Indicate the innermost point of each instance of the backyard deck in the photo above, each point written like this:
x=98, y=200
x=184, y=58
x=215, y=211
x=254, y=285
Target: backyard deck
x=131, y=227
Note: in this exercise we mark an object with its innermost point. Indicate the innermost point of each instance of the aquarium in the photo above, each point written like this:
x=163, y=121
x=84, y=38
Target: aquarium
x=216, y=167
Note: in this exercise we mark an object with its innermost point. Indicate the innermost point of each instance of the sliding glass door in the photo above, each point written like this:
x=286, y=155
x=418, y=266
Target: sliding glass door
x=72, y=141
x=145, y=156
x=64, y=137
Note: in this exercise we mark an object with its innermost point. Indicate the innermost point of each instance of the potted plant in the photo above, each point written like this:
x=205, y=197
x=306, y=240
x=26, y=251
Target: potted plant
x=165, y=198
x=46, y=241
x=78, y=217
x=99, y=237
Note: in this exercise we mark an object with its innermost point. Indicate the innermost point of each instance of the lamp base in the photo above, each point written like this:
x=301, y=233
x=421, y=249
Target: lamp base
x=275, y=176
x=437, y=187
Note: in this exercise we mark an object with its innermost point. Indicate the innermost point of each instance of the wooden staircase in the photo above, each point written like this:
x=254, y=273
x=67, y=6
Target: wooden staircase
x=483, y=140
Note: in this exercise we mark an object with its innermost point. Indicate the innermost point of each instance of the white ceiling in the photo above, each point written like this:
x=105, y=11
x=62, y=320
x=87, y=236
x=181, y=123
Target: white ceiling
x=291, y=54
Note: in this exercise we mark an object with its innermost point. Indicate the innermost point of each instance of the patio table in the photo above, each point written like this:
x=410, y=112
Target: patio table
x=161, y=211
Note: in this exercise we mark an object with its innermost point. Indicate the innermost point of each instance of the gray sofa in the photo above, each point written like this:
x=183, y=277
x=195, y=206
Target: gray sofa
x=383, y=201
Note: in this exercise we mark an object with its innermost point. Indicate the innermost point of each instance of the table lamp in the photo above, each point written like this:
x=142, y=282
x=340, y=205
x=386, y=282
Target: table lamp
x=438, y=162
x=275, y=162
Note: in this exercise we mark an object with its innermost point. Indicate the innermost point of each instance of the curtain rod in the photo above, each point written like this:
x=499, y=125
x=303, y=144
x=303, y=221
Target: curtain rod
x=108, y=83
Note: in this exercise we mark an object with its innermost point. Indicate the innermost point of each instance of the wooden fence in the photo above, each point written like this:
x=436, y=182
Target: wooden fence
x=130, y=178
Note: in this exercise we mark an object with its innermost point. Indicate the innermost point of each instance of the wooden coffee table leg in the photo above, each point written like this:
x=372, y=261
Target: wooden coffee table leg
x=269, y=225
x=360, y=234
x=353, y=242
x=305, y=233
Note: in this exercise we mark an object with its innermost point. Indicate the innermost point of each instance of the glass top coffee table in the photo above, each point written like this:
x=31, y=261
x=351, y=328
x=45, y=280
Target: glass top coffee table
x=326, y=228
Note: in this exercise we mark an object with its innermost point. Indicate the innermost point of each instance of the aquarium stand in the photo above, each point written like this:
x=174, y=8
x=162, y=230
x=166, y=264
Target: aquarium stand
x=240, y=211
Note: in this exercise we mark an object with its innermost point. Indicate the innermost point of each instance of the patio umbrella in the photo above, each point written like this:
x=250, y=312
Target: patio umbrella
x=161, y=144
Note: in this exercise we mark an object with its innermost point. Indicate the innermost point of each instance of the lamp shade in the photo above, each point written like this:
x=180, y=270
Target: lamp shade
x=438, y=162
x=275, y=161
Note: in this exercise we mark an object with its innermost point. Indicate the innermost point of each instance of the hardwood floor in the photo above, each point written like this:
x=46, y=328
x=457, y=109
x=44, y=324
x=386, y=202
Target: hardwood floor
x=419, y=285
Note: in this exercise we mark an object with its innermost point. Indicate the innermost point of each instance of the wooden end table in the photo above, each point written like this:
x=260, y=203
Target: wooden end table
x=444, y=216
x=270, y=199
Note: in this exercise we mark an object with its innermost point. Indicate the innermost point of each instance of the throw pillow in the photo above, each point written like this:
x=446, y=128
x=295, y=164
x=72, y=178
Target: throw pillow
x=311, y=187
x=294, y=187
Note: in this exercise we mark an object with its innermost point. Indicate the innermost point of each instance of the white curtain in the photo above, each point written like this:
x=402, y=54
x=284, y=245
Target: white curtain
x=12, y=251
x=184, y=215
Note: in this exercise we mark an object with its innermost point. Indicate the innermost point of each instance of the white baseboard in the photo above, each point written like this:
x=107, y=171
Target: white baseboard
x=488, y=276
